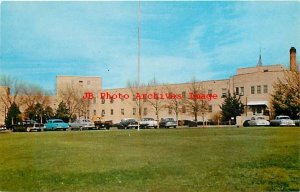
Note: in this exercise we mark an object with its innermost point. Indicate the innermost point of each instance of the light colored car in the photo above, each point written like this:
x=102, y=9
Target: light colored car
x=148, y=122
x=56, y=124
x=282, y=120
x=82, y=124
x=258, y=121
x=35, y=127
x=2, y=128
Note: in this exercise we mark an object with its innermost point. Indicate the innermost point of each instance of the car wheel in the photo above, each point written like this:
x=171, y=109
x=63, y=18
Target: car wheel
x=28, y=129
x=246, y=123
x=174, y=126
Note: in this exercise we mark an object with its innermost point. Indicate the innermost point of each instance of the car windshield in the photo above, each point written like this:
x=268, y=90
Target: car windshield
x=58, y=121
x=169, y=119
x=260, y=118
x=284, y=117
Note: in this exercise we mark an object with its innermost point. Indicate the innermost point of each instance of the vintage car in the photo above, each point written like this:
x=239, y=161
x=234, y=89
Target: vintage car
x=82, y=124
x=56, y=124
x=282, y=120
x=167, y=122
x=148, y=122
x=128, y=123
x=258, y=121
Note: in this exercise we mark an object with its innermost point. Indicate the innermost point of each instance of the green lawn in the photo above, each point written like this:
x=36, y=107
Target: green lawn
x=210, y=159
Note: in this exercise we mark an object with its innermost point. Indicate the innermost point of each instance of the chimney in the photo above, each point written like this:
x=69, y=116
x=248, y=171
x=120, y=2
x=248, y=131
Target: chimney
x=293, y=59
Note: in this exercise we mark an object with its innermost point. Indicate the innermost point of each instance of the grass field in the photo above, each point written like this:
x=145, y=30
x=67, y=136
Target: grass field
x=211, y=159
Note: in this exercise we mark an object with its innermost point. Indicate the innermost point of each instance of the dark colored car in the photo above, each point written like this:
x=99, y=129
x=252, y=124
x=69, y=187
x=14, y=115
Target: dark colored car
x=28, y=125
x=167, y=123
x=127, y=124
x=103, y=124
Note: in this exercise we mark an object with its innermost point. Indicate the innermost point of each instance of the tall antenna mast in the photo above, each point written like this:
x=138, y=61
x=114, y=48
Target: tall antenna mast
x=139, y=47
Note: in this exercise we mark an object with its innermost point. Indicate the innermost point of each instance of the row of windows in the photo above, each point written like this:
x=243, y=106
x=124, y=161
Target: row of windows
x=144, y=111
x=259, y=89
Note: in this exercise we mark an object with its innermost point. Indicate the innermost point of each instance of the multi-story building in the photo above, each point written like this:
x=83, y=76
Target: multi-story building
x=254, y=85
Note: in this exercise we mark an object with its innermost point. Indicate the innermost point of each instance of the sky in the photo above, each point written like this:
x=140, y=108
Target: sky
x=179, y=40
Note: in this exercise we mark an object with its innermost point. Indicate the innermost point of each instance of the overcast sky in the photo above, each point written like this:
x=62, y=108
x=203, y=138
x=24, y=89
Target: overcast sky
x=179, y=40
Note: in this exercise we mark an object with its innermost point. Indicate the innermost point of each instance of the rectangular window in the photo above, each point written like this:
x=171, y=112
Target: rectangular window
x=111, y=100
x=183, y=109
x=183, y=94
x=133, y=97
x=209, y=91
x=95, y=112
x=102, y=113
x=133, y=111
x=258, y=89
x=237, y=90
x=265, y=88
x=102, y=101
x=252, y=90
x=145, y=111
x=122, y=112
x=111, y=112
x=224, y=92
x=242, y=90
x=209, y=108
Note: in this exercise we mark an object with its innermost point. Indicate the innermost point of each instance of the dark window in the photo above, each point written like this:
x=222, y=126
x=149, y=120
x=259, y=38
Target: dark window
x=252, y=90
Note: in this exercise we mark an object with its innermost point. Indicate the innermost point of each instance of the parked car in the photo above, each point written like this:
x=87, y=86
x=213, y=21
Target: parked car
x=56, y=124
x=148, y=122
x=167, y=122
x=82, y=124
x=282, y=120
x=103, y=124
x=28, y=125
x=258, y=121
x=36, y=127
x=127, y=124
x=2, y=127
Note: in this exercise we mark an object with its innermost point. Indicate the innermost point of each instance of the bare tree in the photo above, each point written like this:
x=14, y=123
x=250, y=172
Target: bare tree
x=286, y=95
x=137, y=91
x=73, y=97
x=173, y=103
x=12, y=87
x=156, y=102
x=31, y=94
x=194, y=104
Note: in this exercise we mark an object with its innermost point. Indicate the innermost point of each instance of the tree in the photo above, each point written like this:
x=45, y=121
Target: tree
x=286, y=96
x=62, y=112
x=194, y=105
x=13, y=115
x=48, y=112
x=135, y=90
x=12, y=87
x=29, y=112
x=31, y=94
x=173, y=103
x=74, y=101
x=156, y=103
x=231, y=107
